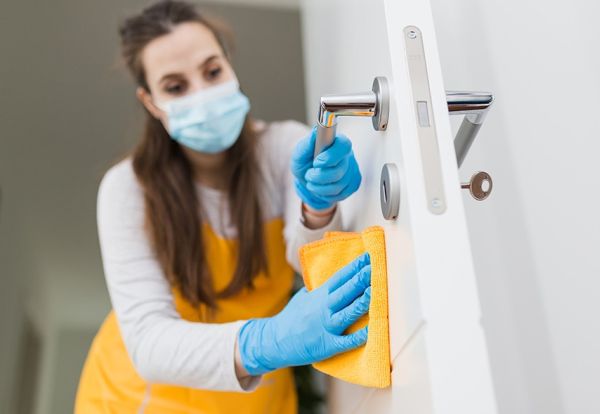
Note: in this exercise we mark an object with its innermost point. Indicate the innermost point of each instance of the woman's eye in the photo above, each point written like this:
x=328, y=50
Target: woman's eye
x=213, y=73
x=175, y=89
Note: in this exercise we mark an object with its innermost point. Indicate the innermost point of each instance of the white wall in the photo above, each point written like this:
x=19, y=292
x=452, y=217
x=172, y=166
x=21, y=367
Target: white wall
x=536, y=240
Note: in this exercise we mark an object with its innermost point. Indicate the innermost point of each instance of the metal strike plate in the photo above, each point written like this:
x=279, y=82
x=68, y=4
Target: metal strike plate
x=426, y=131
x=389, y=191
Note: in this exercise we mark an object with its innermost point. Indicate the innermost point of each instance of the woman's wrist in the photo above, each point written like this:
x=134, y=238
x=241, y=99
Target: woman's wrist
x=240, y=371
x=314, y=219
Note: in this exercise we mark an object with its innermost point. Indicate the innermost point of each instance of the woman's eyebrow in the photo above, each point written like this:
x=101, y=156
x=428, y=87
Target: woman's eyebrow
x=208, y=59
x=176, y=75
x=168, y=76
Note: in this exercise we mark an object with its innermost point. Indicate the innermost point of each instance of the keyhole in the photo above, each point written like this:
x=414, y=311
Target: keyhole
x=384, y=190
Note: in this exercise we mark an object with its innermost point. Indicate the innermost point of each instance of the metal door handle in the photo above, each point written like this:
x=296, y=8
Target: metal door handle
x=373, y=104
x=475, y=106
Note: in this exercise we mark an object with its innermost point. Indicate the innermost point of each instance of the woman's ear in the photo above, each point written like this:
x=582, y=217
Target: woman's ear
x=144, y=97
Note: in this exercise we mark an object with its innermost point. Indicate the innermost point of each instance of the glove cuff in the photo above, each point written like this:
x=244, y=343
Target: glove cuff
x=251, y=347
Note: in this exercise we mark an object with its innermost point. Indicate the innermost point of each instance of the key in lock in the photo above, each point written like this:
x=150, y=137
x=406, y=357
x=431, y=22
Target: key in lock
x=480, y=185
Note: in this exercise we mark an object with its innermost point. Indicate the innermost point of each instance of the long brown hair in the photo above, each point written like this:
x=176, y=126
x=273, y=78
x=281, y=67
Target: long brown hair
x=173, y=209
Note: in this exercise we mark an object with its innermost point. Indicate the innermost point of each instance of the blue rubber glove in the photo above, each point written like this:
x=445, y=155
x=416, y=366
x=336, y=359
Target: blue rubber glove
x=332, y=176
x=310, y=328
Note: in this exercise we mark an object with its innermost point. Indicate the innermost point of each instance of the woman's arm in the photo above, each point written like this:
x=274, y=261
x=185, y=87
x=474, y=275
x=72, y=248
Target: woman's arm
x=240, y=371
x=163, y=347
x=315, y=219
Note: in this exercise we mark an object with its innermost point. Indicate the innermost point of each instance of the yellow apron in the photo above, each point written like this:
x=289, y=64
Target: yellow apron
x=110, y=384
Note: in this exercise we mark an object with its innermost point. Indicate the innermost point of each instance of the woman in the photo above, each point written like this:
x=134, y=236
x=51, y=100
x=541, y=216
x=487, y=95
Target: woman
x=199, y=230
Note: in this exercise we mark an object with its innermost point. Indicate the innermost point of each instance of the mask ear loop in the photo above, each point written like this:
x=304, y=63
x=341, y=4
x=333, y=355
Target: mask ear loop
x=157, y=106
x=160, y=108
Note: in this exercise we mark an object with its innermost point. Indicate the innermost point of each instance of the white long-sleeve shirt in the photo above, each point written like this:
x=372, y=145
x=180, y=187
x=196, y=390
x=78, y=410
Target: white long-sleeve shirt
x=165, y=348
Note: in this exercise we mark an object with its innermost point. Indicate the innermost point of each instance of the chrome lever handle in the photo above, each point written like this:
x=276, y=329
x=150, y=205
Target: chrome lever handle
x=373, y=104
x=475, y=106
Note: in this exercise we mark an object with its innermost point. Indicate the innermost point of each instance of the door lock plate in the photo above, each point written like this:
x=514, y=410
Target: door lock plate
x=426, y=131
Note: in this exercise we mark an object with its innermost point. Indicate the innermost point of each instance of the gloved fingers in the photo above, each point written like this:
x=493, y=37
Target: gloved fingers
x=353, y=340
x=356, y=178
x=340, y=321
x=354, y=171
x=335, y=153
x=346, y=273
x=310, y=198
x=349, y=291
x=298, y=171
x=341, y=189
x=330, y=190
x=302, y=155
x=326, y=175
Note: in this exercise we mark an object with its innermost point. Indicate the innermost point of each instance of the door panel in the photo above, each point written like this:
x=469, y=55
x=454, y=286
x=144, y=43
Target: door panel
x=437, y=347
x=344, y=69
x=411, y=390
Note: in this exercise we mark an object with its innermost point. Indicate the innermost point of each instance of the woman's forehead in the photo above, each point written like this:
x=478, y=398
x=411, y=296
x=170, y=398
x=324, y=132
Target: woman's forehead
x=186, y=47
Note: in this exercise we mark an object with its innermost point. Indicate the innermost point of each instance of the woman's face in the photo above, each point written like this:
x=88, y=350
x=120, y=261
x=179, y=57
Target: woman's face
x=182, y=62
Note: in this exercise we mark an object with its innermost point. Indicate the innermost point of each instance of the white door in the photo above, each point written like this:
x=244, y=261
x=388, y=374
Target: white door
x=438, y=350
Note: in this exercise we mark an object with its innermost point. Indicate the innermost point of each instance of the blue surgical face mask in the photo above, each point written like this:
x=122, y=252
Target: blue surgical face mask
x=209, y=120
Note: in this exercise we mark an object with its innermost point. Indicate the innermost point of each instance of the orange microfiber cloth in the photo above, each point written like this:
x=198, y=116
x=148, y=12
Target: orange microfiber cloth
x=368, y=365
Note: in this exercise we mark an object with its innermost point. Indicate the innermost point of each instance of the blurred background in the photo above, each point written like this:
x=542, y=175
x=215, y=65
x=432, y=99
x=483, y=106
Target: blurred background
x=68, y=111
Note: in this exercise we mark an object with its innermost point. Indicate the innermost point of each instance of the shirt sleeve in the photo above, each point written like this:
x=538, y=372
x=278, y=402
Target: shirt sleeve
x=295, y=232
x=163, y=347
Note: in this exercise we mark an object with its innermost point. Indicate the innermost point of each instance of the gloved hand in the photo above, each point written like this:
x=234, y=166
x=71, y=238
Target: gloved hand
x=310, y=327
x=332, y=176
